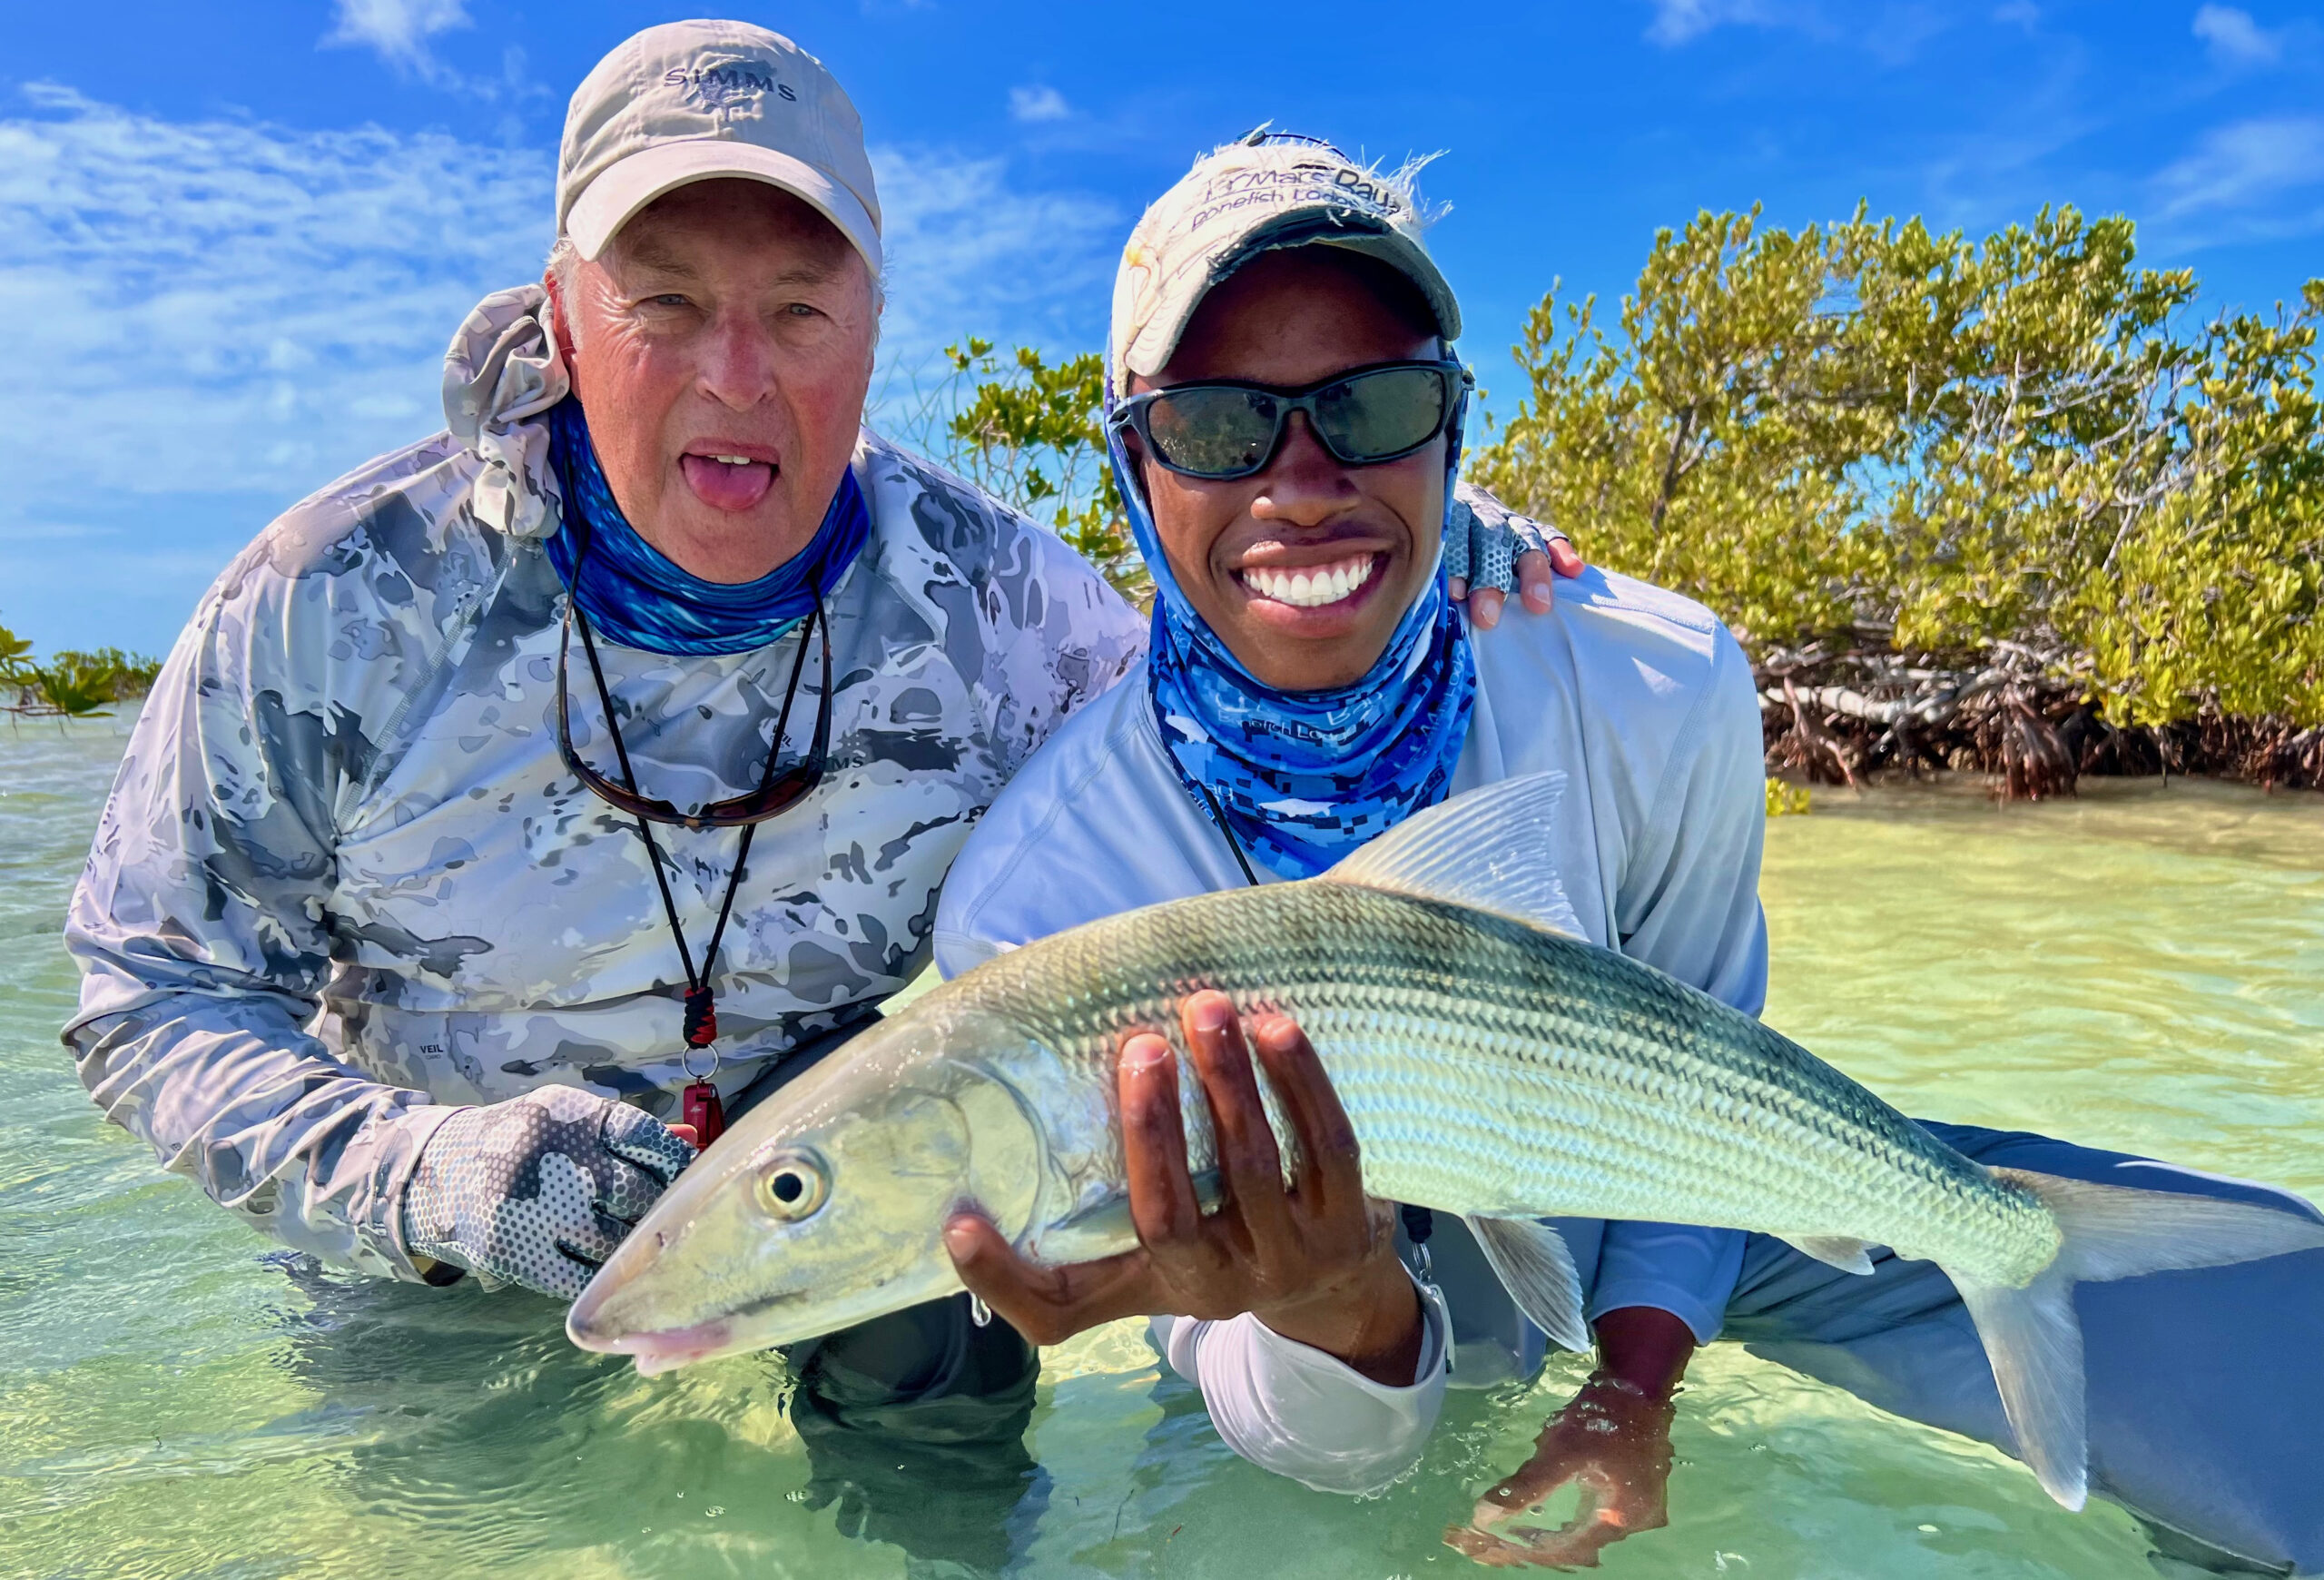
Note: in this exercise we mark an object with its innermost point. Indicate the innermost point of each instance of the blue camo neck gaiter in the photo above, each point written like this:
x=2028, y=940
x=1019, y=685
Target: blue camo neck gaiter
x=638, y=596
x=1303, y=777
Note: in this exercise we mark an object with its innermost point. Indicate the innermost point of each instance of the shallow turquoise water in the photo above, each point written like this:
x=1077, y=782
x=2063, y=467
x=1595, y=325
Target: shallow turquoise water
x=2137, y=969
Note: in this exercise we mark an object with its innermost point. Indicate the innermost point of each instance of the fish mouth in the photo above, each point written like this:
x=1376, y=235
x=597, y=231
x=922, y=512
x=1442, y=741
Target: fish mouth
x=662, y=1351
x=591, y=1326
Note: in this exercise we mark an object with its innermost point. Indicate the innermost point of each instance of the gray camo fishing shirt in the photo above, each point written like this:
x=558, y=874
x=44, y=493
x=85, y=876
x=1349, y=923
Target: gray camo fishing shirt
x=344, y=878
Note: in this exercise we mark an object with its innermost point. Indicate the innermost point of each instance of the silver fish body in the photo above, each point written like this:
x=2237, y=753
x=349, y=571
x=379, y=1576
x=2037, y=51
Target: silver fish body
x=1490, y=1069
x=1490, y=1066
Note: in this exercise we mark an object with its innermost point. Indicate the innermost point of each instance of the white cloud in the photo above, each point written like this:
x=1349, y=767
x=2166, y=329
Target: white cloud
x=968, y=252
x=1037, y=103
x=1678, y=22
x=2239, y=167
x=398, y=29
x=226, y=305
x=229, y=308
x=1891, y=32
x=2235, y=39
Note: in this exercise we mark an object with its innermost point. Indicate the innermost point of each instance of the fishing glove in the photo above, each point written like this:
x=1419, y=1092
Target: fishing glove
x=539, y=1189
x=1484, y=538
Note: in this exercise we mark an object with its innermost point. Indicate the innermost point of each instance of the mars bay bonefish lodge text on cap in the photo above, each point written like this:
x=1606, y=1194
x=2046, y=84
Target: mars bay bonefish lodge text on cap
x=699, y=100
x=1270, y=190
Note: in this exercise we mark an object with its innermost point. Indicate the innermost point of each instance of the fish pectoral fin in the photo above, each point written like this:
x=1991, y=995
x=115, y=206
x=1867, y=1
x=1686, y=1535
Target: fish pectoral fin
x=1833, y=1251
x=1487, y=849
x=1532, y=1263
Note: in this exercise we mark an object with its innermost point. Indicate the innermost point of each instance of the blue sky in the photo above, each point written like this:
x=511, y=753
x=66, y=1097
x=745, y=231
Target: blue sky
x=234, y=238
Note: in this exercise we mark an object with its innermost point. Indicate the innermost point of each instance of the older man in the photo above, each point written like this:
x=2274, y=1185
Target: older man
x=427, y=891
x=585, y=765
x=1287, y=419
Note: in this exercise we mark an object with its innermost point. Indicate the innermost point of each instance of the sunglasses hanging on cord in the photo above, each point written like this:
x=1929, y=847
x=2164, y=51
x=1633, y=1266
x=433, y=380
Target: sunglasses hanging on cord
x=701, y=1112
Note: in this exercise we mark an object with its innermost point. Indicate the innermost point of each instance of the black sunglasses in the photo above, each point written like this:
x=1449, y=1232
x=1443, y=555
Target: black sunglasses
x=1229, y=428
x=776, y=794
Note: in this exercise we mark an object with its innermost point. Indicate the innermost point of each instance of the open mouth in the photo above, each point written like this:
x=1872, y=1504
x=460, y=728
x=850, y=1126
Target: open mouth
x=728, y=479
x=663, y=1351
x=1312, y=586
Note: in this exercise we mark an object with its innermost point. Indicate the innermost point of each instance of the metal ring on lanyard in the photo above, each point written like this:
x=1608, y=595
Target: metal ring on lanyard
x=1419, y=1224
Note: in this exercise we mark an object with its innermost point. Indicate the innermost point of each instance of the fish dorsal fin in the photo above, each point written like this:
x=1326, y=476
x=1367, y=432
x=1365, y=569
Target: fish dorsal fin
x=1532, y=1263
x=1488, y=849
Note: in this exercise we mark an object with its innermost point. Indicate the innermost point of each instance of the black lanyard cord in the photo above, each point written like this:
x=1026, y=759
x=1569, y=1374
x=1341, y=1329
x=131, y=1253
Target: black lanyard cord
x=1218, y=816
x=700, y=1021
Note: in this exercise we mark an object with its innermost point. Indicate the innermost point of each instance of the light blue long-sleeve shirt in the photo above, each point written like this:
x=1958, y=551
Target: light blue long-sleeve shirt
x=1644, y=700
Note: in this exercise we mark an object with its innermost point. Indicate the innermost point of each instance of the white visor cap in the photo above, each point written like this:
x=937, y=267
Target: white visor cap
x=1263, y=192
x=698, y=101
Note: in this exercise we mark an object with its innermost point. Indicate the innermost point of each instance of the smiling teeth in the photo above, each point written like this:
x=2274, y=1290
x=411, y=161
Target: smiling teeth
x=1310, y=589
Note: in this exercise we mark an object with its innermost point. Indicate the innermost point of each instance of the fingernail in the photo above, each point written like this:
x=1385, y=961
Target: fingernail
x=1539, y=591
x=1213, y=1015
x=961, y=1241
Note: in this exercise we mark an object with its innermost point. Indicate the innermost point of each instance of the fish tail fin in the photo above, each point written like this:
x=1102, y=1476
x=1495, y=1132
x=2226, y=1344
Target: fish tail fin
x=2033, y=1341
x=2115, y=1231
x=2031, y=1336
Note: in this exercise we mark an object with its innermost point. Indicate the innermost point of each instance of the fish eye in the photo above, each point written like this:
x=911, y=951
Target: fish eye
x=791, y=1184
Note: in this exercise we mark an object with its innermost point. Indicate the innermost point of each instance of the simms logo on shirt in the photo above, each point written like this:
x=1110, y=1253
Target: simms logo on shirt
x=726, y=85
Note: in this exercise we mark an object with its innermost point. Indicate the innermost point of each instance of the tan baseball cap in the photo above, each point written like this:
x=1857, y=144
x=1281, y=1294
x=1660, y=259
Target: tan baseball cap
x=1267, y=191
x=696, y=101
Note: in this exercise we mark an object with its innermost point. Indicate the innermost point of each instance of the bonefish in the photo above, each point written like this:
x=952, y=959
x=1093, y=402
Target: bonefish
x=1492, y=1065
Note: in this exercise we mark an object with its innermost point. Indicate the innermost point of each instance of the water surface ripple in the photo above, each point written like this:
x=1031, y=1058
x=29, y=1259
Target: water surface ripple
x=2137, y=969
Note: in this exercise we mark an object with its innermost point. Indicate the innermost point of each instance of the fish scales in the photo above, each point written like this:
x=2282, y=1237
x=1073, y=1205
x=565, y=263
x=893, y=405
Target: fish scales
x=1494, y=1067
x=1489, y=1067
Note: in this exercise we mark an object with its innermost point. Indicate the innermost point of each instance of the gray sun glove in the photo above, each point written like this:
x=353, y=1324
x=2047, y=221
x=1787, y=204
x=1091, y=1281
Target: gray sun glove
x=539, y=1189
x=1484, y=538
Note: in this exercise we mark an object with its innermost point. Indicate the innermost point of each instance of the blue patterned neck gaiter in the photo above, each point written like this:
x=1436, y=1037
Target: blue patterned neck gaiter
x=636, y=596
x=1303, y=777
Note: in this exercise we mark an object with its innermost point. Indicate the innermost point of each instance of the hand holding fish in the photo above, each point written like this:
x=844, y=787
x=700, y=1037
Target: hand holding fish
x=1315, y=1262
x=1613, y=1440
x=1494, y=1064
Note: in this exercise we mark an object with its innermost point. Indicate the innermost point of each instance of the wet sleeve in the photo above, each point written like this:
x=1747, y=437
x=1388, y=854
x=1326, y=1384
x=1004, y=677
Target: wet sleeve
x=1291, y=1409
x=201, y=929
x=1690, y=903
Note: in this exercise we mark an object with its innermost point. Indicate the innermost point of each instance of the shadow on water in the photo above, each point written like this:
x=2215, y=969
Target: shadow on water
x=945, y=1477
x=2137, y=969
x=482, y=1423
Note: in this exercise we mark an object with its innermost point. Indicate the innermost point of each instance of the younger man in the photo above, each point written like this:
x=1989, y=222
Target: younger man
x=1287, y=429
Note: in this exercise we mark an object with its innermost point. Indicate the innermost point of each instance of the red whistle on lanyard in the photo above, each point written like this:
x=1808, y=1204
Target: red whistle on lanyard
x=700, y=1111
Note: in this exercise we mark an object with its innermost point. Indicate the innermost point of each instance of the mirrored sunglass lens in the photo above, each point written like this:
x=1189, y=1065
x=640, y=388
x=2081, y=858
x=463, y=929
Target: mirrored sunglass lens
x=1218, y=432
x=1382, y=414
